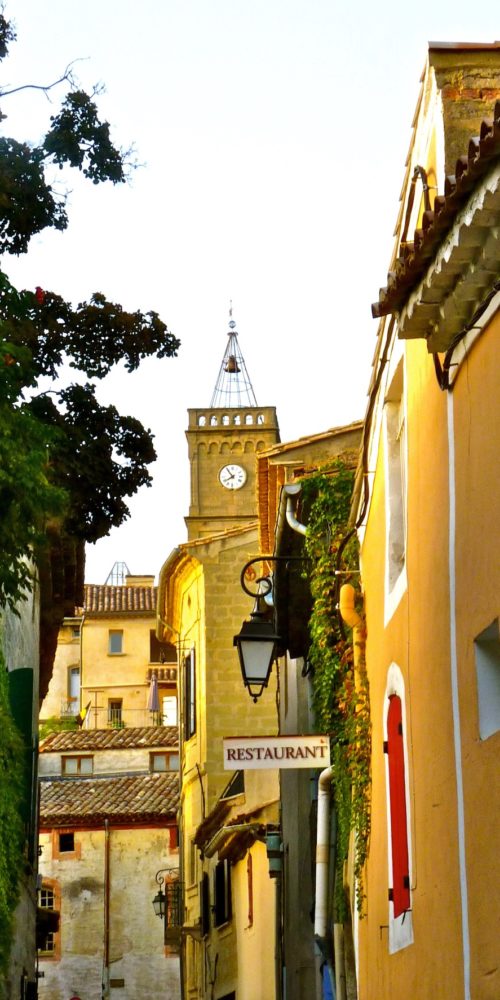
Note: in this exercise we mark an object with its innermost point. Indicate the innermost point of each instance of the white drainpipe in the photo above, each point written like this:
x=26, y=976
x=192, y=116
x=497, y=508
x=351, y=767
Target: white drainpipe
x=322, y=853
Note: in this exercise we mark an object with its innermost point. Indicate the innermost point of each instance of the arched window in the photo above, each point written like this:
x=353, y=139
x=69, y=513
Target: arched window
x=213, y=421
x=202, y=420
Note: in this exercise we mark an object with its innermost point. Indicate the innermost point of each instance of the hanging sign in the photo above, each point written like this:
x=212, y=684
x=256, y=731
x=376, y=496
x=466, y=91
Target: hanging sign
x=242, y=753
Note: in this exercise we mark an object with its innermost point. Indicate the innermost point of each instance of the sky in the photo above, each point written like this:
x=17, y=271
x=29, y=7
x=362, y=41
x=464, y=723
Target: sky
x=271, y=139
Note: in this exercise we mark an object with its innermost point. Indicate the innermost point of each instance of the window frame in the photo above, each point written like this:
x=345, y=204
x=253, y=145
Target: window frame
x=189, y=694
x=78, y=757
x=167, y=755
x=51, y=885
x=223, y=904
x=112, y=633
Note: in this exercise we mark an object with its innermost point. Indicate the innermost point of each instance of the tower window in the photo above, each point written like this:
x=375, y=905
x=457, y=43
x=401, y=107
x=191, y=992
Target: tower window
x=248, y=418
x=213, y=421
x=225, y=420
x=237, y=419
x=202, y=420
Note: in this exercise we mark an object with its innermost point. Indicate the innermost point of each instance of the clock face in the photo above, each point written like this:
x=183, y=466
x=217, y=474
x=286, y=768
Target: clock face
x=233, y=477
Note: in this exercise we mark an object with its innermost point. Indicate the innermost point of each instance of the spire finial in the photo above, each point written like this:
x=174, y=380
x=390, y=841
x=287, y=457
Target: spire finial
x=233, y=387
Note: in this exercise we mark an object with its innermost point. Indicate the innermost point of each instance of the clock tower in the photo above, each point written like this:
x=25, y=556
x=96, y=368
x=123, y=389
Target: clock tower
x=223, y=441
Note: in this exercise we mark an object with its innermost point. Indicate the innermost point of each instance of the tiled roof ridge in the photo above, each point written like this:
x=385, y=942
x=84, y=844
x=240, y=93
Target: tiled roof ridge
x=415, y=256
x=107, y=598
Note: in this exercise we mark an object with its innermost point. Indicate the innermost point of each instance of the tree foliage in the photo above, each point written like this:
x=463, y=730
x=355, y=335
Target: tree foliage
x=11, y=829
x=62, y=454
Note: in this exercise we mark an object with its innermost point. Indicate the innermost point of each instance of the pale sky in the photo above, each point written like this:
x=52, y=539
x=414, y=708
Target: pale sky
x=273, y=137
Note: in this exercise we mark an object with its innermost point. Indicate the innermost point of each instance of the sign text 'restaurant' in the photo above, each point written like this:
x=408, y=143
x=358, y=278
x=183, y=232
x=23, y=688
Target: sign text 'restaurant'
x=247, y=752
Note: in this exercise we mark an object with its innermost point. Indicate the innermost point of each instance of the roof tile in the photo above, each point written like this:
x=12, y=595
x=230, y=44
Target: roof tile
x=111, y=739
x=88, y=801
x=104, y=599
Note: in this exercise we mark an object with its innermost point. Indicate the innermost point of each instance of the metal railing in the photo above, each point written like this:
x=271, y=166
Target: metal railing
x=126, y=718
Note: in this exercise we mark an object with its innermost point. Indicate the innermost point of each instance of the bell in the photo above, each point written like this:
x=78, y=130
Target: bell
x=232, y=365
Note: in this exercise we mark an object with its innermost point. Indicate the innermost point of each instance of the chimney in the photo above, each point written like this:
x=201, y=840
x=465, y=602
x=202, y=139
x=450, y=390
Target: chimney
x=468, y=78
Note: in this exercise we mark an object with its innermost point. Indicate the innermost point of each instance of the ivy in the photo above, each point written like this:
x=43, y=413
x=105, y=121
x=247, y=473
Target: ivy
x=11, y=829
x=340, y=692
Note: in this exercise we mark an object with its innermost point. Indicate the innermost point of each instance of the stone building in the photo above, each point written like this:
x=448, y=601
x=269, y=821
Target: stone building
x=108, y=825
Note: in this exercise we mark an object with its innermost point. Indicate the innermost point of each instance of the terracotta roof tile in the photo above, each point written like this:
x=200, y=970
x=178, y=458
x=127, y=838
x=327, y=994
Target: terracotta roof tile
x=79, y=801
x=111, y=739
x=104, y=599
x=415, y=256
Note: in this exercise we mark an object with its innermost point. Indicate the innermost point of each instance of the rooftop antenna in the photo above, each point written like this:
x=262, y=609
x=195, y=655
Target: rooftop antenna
x=117, y=575
x=233, y=387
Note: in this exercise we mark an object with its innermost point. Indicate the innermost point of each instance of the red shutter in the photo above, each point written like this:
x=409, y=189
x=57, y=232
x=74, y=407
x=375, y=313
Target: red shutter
x=397, y=792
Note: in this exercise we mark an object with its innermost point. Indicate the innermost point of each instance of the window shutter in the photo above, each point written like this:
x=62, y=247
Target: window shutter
x=397, y=792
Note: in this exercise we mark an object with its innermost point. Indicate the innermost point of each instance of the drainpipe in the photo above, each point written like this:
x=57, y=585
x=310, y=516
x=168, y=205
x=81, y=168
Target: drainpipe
x=292, y=490
x=105, y=969
x=353, y=619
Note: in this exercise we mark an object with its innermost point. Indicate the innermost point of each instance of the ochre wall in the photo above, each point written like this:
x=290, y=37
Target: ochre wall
x=477, y=449
x=416, y=638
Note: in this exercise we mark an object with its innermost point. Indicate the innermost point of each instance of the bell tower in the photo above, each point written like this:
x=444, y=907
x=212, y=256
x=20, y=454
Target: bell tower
x=223, y=441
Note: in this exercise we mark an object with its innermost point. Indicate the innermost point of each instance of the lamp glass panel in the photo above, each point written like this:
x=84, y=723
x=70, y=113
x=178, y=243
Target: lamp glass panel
x=257, y=657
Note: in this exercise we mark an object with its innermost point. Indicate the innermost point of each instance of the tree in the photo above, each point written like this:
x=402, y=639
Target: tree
x=67, y=463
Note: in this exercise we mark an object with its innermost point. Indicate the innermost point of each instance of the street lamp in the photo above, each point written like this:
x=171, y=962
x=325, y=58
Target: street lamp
x=257, y=640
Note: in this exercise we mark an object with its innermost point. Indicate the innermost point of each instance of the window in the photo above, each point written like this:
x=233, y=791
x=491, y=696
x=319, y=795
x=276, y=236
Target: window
x=164, y=761
x=395, y=427
x=72, y=766
x=487, y=656
x=161, y=652
x=47, y=928
x=250, y=889
x=115, y=642
x=192, y=863
x=47, y=902
x=189, y=695
x=169, y=710
x=115, y=720
x=65, y=847
x=66, y=842
x=222, y=893
x=75, y=632
x=205, y=904
x=398, y=812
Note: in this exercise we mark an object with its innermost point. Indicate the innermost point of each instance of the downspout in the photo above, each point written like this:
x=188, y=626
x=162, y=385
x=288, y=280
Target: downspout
x=105, y=969
x=322, y=878
x=290, y=491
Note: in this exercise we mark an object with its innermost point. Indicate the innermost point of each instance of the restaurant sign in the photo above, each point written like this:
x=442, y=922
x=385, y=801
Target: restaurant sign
x=243, y=753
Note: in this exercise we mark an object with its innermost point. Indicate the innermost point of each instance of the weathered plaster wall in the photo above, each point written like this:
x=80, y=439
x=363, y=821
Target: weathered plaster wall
x=136, y=949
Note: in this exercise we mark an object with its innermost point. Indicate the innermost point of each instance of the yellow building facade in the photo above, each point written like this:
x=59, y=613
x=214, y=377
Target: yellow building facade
x=430, y=556
x=106, y=657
